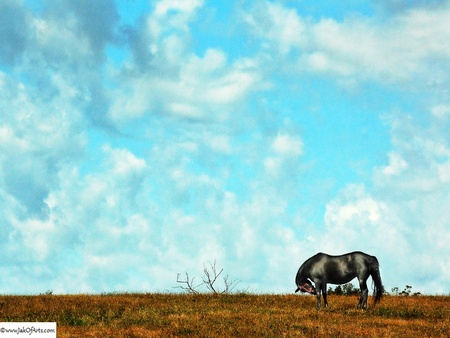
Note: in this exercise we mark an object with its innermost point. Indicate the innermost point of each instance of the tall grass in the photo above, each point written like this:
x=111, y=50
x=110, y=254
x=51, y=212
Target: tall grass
x=239, y=315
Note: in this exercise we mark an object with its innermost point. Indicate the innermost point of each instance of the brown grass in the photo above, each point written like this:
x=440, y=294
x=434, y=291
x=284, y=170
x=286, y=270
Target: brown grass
x=240, y=315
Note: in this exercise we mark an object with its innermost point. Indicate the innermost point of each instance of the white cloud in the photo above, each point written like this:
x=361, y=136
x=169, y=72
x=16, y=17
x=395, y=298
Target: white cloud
x=221, y=143
x=172, y=14
x=444, y=172
x=163, y=7
x=282, y=27
x=397, y=49
x=124, y=163
x=272, y=165
x=363, y=208
x=288, y=145
x=42, y=135
x=205, y=88
x=396, y=165
x=442, y=111
x=36, y=238
x=165, y=77
x=285, y=150
x=50, y=34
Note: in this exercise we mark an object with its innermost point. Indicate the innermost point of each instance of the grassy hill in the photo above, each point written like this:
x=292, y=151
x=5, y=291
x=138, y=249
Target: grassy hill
x=238, y=315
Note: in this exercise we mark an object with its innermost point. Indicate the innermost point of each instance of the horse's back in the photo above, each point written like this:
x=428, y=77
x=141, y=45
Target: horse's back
x=369, y=258
x=355, y=255
x=350, y=261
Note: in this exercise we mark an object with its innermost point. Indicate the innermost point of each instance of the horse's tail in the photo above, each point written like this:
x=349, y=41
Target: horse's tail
x=376, y=277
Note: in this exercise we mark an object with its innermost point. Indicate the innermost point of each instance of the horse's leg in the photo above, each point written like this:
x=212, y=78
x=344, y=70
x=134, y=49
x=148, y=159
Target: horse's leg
x=324, y=292
x=319, y=294
x=364, y=294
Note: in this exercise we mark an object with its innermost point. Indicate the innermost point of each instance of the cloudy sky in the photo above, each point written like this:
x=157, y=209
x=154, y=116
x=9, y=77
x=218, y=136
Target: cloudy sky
x=141, y=139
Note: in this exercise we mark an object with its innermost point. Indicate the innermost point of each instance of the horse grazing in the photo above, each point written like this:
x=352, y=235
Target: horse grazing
x=323, y=269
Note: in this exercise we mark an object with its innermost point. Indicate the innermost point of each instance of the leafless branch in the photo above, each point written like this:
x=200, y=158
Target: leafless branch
x=229, y=285
x=188, y=284
x=210, y=276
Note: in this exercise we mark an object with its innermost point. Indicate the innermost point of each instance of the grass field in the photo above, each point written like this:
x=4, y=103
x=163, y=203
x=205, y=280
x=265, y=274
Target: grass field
x=239, y=315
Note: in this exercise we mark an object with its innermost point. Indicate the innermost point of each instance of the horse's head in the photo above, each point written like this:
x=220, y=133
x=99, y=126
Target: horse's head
x=306, y=287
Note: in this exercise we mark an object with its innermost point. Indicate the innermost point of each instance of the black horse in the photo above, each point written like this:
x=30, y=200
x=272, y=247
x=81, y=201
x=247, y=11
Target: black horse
x=323, y=269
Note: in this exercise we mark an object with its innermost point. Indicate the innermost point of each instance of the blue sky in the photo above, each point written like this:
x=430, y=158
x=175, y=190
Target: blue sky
x=141, y=139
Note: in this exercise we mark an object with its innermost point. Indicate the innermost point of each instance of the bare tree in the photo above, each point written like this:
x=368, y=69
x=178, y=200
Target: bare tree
x=210, y=278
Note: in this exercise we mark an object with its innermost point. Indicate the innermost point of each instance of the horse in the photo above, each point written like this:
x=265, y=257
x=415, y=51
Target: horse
x=322, y=269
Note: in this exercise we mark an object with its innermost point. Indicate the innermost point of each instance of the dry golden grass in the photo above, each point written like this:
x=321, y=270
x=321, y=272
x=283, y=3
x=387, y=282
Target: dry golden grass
x=240, y=315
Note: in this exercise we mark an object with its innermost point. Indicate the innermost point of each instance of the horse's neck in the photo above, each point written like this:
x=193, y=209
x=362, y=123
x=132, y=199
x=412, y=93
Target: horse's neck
x=302, y=273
